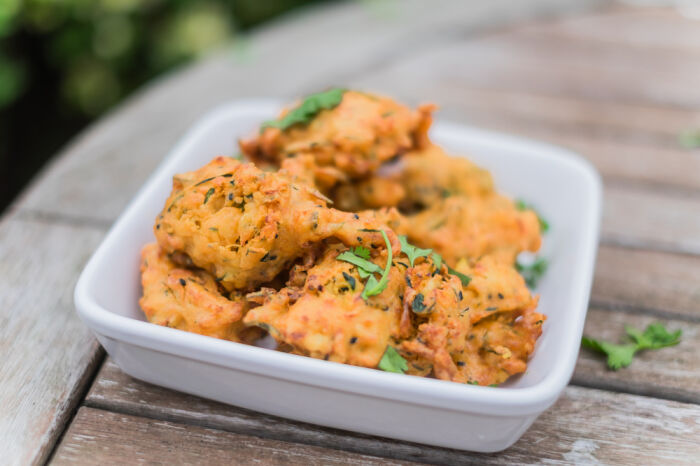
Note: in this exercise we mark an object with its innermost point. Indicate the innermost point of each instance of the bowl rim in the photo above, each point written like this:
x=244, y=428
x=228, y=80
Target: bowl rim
x=342, y=377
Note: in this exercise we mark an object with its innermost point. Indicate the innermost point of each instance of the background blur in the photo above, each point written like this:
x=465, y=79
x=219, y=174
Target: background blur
x=64, y=63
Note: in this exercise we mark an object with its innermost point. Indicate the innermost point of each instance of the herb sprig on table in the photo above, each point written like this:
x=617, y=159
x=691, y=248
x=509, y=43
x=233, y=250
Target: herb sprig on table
x=308, y=109
x=655, y=336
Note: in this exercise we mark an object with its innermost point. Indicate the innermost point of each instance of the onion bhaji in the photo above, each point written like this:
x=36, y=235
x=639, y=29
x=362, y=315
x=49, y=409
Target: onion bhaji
x=353, y=139
x=187, y=299
x=303, y=244
x=327, y=318
x=245, y=226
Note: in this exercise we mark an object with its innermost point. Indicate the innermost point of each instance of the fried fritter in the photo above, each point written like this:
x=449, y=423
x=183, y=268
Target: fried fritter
x=245, y=226
x=434, y=301
x=355, y=137
x=186, y=299
x=429, y=175
x=327, y=318
x=499, y=347
x=459, y=227
x=443, y=313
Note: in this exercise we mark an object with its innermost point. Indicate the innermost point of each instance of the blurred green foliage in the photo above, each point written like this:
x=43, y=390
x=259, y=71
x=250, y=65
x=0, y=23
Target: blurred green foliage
x=102, y=49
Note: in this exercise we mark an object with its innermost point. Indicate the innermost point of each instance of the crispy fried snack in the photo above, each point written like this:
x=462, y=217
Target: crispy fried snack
x=430, y=175
x=416, y=180
x=499, y=346
x=435, y=319
x=354, y=138
x=245, y=226
x=459, y=227
x=327, y=318
x=460, y=329
x=187, y=299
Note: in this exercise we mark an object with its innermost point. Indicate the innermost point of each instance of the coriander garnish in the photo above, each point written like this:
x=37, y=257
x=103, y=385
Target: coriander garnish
x=655, y=336
x=522, y=205
x=359, y=257
x=392, y=361
x=533, y=272
x=308, y=109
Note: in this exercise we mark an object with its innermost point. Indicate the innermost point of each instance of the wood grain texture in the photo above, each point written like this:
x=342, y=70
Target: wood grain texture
x=584, y=425
x=101, y=437
x=667, y=373
x=658, y=283
x=47, y=353
x=641, y=218
x=102, y=169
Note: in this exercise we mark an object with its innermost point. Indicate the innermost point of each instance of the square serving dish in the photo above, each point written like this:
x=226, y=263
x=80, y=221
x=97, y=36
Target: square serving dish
x=564, y=188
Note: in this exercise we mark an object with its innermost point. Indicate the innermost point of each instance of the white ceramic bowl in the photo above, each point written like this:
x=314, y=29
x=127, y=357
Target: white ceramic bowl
x=563, y=187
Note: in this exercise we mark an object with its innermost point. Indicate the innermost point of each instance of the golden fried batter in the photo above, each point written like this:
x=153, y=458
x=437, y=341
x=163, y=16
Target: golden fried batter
x=355, y=137
x=440, y=316
x=185, y=299
x=500, y=341
x=459, y=227
x=245, y=226
x=328, y=319
x=499, y=347
x=430, y=175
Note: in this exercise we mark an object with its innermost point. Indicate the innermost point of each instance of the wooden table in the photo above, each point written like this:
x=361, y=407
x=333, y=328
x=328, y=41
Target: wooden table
x=613, y=82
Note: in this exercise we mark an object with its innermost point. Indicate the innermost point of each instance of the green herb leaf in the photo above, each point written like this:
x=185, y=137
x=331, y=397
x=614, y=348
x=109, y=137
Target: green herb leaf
x=522, y=205
x=392, y=361
x=437, y=260
x=358, y=257
x=372, y=287
x=208, y=195
x=308, y=109
x=350, y=279
x=412, y=251
x=655, y=336
x=361, y=251
x=533, y=272
x=418, y=305
x=690, y=139
x=362, y=264
x=465, y=279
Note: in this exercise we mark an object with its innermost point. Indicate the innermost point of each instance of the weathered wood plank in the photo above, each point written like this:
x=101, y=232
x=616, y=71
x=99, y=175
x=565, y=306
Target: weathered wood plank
x=658, y=283
x=637, y=217
x=668, y=373
x=48, y=356
x=102, y=437
x=643, y=27
x=585, y=424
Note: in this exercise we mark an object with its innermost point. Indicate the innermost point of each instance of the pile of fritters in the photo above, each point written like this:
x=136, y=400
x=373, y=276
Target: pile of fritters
x=285, y=240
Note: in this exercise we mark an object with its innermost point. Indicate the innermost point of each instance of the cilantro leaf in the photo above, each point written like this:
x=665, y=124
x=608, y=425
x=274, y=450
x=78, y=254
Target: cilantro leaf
x=655, y=336
x=392, y=361
x=358, y=256
x=437, y=260
x=362, y=264
x=372, y=287
x=522, y=205
x=533, y=272
x=412, y=251
x=465, y=279
x=690, y=139
x=308, y=109
x=361, y=251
